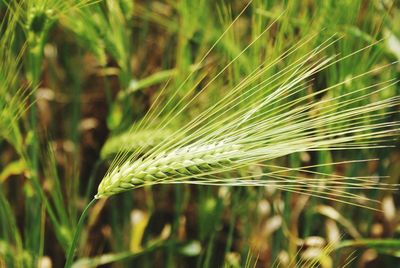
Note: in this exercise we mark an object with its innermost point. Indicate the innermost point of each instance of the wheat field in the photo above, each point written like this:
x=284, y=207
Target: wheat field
x=182, y=133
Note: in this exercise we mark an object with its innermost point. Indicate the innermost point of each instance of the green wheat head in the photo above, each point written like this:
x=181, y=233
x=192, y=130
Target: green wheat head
x=230, y=135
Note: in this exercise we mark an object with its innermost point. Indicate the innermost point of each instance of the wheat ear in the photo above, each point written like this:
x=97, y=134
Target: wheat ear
x=132, y=141
x=190, y=160
x=276, y=125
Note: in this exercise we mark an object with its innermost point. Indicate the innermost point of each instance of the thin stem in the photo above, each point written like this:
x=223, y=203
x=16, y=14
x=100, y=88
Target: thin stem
x=71, y=250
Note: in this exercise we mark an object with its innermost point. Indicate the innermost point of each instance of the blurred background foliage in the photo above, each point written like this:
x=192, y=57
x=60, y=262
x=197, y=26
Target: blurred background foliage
x=76, y=75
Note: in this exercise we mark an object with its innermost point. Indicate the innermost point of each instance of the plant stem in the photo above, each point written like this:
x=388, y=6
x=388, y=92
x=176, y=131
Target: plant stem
x=71, y=250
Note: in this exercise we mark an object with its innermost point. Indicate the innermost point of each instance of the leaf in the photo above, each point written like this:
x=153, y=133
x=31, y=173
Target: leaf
x=13, y=168
x=117, y=257
x=384, y=246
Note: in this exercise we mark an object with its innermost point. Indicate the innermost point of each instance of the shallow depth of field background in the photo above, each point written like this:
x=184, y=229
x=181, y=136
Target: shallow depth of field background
x=94, y=70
